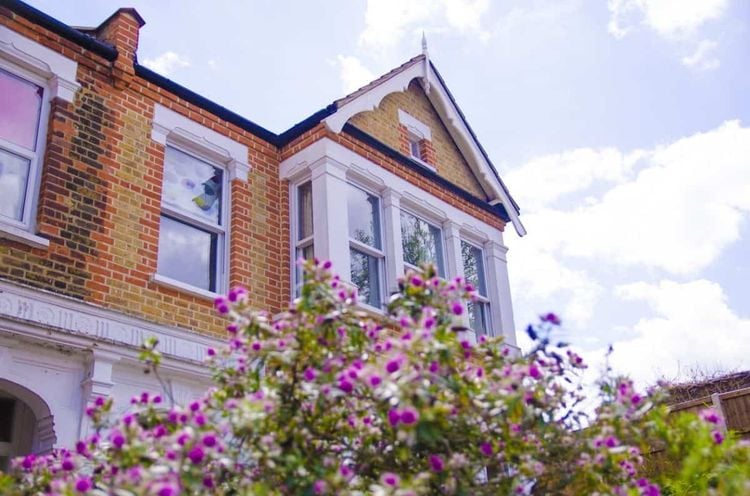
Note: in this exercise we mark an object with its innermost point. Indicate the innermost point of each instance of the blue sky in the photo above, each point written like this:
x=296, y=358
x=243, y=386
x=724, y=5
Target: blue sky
x=621, y=127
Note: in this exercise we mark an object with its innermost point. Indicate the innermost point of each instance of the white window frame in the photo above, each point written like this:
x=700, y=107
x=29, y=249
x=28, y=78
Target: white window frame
x=177, y=131
x=56, y=75
x=410, y=209
x=379, y=254
x=221, y=230
x=482, y=299
x=298, y=244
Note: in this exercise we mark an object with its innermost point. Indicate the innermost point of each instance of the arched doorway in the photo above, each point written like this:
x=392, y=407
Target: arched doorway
x=26, y=423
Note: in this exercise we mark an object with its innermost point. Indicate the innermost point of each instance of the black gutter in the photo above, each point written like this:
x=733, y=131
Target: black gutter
x=61, y=29
x=496, y=210
x=205, y=104
x=305, y=125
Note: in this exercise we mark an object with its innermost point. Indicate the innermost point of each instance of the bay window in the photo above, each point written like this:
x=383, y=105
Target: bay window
x=192, y=228
x=365, y=245
x=474, y=273
x=422, y=242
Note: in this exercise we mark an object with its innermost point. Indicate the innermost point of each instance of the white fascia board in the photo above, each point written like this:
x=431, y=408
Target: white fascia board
x=372, y=98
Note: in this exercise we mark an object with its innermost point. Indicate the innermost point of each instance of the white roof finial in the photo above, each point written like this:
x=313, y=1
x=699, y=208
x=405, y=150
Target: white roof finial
x=426, y=76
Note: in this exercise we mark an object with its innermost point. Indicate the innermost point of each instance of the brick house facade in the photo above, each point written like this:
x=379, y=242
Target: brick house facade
x=127, y=202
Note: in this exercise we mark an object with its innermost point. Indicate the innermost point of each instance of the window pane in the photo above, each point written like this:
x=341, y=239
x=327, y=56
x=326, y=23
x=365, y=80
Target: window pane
x=307, y=253
x=305, y=210
x=366, y=276
x=421, y=242
x=478, y=316
x=187, y=254
x=20, y=104
x=364, y=217
x=14, y=174
x=192, y=186
x=474, y=267
x=414, y=148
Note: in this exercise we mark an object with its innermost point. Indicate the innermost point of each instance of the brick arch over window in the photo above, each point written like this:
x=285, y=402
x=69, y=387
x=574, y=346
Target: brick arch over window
x=34, y=425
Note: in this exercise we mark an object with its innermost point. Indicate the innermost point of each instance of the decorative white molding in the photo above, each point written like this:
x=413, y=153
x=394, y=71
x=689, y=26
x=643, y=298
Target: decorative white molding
x=414, y=125
x=44, y=311
x=449, y=114
x=370, y=99
x=424, y=207
x=169, y=126
x=58, y=70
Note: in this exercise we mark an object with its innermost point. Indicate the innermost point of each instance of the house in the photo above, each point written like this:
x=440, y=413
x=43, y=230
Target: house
x=128, y=202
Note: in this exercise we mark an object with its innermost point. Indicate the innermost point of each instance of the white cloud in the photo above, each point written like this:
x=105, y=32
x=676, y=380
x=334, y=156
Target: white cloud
x=167, y=62
x=353, y=73
x=545, y=179
x=691, y=326
x=702, y=59
x=669, y=18
x=387, y=22
x=678, y=213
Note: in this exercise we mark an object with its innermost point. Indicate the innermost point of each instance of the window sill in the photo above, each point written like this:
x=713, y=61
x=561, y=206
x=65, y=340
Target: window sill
x=16, y=234
x=423, y=163
x=184, y=287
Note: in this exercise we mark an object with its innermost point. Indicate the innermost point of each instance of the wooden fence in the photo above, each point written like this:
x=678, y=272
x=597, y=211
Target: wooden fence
x=734, y=407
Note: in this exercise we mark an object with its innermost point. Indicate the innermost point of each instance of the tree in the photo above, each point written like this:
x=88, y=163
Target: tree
x=327, y=400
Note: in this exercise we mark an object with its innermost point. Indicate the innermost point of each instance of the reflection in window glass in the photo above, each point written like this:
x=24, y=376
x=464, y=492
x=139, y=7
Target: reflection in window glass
x=14, y=175
x=305, y=211
x=364, y=217
x=473, y=262
x=365, y=272
x=20, y=105
x=192, y=186
x=187, y=253
x=422, y=242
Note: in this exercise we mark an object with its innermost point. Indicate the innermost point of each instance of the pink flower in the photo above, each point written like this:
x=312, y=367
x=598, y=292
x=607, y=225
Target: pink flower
x=717, y=436
x=409, y=416
x=711, y=416
x=457, y=308
x=375, y=380
x=436, y=463
x=196, y=455
x=83, y=485
x=393, y=417
x=534, y=372
x=346, y=386
x=320, y=487
x=393, y=365
x=390, y=479
x=117, y=438
x=486, y=449
x=551, y=318
x=309, y=374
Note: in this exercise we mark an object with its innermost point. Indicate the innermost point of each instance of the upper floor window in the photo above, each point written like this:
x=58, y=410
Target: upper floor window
x=21, y=141
x=422, y=242
x=304, y=247
x=415, y=148
x=365, y=245
x=474, y=272
x=192, y=226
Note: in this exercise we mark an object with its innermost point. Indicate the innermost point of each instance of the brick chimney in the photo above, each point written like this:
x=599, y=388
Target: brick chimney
x=121, y=30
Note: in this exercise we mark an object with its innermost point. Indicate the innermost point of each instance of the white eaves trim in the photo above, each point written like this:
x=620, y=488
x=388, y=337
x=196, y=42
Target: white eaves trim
x=449, y=114
x=58, y=70
x=169, y=126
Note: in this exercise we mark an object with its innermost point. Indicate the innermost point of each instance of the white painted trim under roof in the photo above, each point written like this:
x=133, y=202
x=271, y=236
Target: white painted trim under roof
x=449, y=114
x=58, y=70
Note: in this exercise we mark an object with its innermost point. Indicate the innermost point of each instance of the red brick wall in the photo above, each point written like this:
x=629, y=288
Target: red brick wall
x=100, y=196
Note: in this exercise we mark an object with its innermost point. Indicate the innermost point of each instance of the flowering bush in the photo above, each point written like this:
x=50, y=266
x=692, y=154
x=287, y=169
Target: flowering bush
x=328, y=400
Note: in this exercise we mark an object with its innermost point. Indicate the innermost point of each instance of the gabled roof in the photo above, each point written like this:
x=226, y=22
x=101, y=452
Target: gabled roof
x=369, y=97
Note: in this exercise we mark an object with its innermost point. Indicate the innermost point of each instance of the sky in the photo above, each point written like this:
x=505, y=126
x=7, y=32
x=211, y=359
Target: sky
x=622, y=128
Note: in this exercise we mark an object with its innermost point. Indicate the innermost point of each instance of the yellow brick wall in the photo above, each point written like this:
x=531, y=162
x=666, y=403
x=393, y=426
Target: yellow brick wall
x=383, y=124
